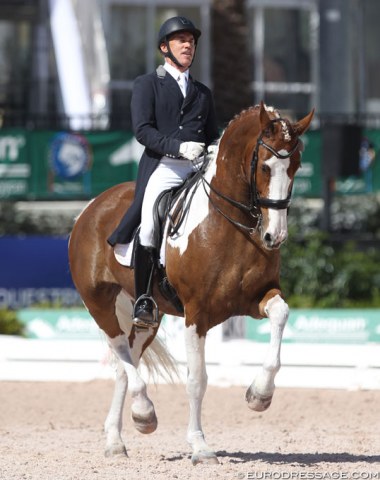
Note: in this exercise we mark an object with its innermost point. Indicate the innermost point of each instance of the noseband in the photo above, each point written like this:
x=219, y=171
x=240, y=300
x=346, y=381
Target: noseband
x=253, y=209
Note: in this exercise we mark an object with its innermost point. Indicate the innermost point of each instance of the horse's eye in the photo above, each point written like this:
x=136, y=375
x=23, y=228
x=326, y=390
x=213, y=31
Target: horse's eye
x=265, y=168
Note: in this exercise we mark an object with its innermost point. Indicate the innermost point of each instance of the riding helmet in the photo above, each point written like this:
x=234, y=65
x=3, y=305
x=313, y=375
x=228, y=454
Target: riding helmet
x=177, y=24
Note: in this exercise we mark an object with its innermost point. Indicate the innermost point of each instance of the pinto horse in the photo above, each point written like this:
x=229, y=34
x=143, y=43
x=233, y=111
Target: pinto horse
x=223, y=261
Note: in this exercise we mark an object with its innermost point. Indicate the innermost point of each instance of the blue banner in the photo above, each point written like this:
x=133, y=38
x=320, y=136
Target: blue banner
x=35, y=271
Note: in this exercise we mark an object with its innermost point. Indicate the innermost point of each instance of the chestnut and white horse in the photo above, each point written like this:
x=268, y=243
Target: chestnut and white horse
x=223, y=261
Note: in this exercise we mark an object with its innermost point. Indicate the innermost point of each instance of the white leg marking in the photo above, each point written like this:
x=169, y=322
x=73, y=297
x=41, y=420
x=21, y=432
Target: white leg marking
x=142, y=408
x=278, y=312
x=196, y=388
x=114, y=421
x=124, y=311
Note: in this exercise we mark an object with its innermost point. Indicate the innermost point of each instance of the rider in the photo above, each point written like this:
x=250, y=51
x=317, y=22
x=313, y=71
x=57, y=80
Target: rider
x=175, y=122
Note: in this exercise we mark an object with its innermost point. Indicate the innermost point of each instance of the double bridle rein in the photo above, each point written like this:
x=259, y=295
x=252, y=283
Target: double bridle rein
x=253, y=209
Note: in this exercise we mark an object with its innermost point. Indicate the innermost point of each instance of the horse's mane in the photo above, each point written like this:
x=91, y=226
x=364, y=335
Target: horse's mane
x=253, y=110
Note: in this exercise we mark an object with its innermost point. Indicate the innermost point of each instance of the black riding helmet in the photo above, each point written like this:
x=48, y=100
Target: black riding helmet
x=174, y=25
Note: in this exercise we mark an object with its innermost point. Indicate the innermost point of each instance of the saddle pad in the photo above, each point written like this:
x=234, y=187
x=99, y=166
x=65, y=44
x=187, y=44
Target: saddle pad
x=124, y=251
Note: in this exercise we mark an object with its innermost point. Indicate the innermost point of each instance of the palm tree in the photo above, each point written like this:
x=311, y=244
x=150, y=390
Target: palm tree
x=231, y=61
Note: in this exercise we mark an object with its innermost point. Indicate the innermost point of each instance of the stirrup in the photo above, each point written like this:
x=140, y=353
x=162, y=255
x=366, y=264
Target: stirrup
x=143, y=323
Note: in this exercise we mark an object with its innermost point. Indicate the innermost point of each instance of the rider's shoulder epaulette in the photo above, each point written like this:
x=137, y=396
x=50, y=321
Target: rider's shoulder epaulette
x=161, y=72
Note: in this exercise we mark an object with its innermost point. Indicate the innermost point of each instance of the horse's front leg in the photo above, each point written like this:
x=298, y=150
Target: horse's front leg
x=260, y=393
x=143, y=413
x=196, y=388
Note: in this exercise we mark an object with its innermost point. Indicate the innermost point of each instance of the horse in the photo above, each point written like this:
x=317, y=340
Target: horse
x=223, y=261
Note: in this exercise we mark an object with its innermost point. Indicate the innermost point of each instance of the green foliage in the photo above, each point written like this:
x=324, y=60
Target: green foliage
x=316, y=273
x=10, y=324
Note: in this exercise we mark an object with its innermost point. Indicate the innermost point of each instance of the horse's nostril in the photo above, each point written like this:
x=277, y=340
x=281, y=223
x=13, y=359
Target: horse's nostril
x=268, y=237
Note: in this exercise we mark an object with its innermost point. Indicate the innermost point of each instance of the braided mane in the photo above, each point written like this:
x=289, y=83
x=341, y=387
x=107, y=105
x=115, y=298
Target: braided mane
x=249, y=111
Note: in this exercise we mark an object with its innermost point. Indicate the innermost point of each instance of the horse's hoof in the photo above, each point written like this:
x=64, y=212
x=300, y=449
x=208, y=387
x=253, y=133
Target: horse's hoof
x=258, y=402
x=204, y=457
x=145, y=424
x=116, y=451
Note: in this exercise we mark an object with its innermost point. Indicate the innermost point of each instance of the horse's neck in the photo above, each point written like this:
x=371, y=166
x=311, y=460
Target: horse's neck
x=229, y=178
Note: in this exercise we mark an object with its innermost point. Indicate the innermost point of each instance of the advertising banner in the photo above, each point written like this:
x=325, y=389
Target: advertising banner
x=15, y=163
x=62, y=324
x=35, y=271
x=55, y=165
x=44, y=164
x=322, y=326
x=330, y=326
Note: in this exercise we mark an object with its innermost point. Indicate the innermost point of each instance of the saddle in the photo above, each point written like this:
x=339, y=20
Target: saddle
x=172, y=206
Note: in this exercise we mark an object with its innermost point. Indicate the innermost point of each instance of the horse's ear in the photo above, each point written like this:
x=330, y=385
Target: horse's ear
x=264, y=117
x=302, y=125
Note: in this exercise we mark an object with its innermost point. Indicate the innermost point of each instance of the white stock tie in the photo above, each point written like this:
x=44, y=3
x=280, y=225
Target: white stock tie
x=182, y=82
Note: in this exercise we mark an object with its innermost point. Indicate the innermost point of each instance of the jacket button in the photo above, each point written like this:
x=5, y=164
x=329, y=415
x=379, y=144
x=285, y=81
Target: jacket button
x=181, y=112
x=181, y=127
x=199, y=131
x=199, y=116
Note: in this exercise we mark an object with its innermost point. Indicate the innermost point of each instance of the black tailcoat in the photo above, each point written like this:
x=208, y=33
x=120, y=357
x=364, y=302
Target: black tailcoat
x=162, y=119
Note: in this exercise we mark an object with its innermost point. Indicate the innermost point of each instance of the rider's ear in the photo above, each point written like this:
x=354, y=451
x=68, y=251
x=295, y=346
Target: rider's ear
x=163, y=48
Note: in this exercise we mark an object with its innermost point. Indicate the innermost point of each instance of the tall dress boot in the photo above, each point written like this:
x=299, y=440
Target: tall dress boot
x=145, y=309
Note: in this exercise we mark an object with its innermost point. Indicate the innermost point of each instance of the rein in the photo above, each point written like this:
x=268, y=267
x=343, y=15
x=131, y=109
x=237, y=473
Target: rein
x=253, y=208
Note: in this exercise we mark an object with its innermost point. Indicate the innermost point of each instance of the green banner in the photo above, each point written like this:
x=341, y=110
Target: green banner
x=15, y=164
x=61, y=165
x=62, y=324
x=322, y=326
x=369, y=179
x=54, y=165
x=333, y=326
x=308, y=180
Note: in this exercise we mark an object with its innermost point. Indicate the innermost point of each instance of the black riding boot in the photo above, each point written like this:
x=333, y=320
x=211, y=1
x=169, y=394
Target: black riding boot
x=144, y=312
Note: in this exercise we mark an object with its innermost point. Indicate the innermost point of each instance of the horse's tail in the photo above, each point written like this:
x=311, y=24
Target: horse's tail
x=157, y=359
x=159, y=362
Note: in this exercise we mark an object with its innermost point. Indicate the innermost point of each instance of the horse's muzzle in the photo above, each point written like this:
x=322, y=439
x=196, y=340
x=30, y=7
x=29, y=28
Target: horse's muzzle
x=271, y=242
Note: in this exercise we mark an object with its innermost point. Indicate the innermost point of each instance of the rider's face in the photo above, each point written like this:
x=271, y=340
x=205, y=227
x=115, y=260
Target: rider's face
x=182, y=46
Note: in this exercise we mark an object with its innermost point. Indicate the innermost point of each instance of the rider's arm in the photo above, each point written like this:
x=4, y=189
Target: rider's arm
x=143, y=110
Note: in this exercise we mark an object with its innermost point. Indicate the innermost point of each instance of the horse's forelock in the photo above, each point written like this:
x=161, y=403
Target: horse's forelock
x=284, y=124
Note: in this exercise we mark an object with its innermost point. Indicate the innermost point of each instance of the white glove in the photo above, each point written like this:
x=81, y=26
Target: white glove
x=191, y=150
x=212, y=150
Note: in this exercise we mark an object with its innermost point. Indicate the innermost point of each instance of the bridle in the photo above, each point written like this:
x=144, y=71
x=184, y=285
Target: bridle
x=253, y=209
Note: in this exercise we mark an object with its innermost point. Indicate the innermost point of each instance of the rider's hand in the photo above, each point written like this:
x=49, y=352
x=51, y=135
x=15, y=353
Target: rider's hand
x=191, y=150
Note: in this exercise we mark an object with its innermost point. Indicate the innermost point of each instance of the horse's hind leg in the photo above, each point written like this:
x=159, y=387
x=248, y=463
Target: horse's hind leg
x=143, y=413
x=260, y=393
x=114, y=421
x=128, y=344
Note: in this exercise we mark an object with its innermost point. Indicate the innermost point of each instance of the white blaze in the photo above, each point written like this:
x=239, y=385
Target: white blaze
x=278, y=190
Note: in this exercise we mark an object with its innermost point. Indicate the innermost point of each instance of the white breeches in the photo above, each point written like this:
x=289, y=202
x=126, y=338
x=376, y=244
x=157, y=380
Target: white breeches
x=168, y=174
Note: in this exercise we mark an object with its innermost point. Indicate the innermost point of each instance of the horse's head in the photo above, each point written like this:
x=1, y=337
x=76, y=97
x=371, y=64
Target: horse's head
x=273, y=165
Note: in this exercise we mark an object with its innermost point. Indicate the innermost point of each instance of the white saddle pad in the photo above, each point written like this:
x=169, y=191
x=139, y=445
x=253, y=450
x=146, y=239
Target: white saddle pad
x=124, y=251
